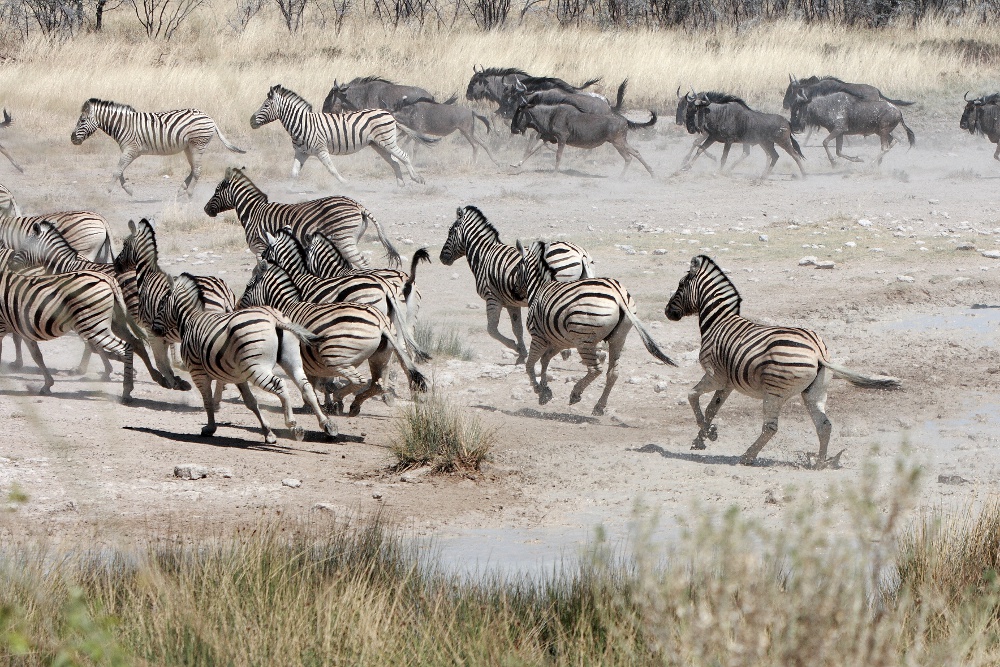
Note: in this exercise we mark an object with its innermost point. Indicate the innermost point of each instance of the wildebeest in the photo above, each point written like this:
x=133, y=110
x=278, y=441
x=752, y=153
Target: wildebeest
x=586, y=102
x=982, y=117
x=681, y=119
x=565, y=125
x=370, y=92
x=439, y=120
x=488, y=83
x=827, y=85
x=7, y=121
x=842, y=114
x=731, y=121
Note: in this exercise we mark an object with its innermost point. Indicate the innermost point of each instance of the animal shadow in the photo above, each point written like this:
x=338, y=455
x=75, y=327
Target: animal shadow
x=711, y=459
x=532, y=413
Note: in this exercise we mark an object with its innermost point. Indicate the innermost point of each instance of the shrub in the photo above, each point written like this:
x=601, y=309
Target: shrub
x=435, y=433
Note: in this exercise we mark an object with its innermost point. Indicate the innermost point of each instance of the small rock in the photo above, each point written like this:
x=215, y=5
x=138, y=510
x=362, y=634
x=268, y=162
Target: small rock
x=904, y=279
x=763, y=238
x=225, y=473
x=655, y=325
x=952, y=479
x=414, y=476
x=850, y=244
x=991, y=254
x=377, y=495
x=473, y=306
x=661, y=387
x=408, y=241
x=634, y=380
x=291, y=483
x=660, y=251
x=770, y=498
x=629, y=250
x=190, y=471
x=325, y=507
x=454, y=276
x=808, y=260
x=824, y=264
x=933, y=201
x=865, y=222
x=965, y=246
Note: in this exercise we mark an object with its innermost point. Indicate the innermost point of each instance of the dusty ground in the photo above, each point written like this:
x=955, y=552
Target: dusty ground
x=92, y=467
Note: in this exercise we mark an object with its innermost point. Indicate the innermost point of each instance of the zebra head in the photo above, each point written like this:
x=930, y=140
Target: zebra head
x=184, y=299
x=284, y=250
x=86, y=126
x=223, y=199
x=532, y=271
x=127, y=259
x=454, y=247
x=255, y=293
x=268, y=111
x=705, y=286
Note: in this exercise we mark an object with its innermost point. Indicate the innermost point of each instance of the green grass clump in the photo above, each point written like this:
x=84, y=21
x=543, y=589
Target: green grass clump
x=442, y=344
x=433, y=432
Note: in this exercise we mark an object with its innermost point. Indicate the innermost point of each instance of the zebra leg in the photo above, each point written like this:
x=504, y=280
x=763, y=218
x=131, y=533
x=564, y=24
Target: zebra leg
x=539, y=351
x=814, y=398
x=250, y=401
x=81, y=369
x=772, y=408
x=388, y=155
x=85, y=361
x=518, y=330
x=588, y=355
x=290, y=361
x=706, y=384
x=298, y=162
x=204, y=385
x=376, y=364
x=193, y=153
x=18, y=362
x=709, y=430
x=126, y=159
x=36, y=356
x=493, y=328
x=220, y=387
x=128, y=375
x=327, y=161
x=158, y=346
x=354, y=383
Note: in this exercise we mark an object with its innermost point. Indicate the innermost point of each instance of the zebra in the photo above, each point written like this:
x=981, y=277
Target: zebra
x=241, y=347
x=7, y=201
x=494, y=266
x=342, y=219
x=766, y=362
x=347, y=335
x=139, y=254
x=285, y=252
x=577, y=314
x=7, y=122
x=326, y=134
x=88, y=233
x=45, y=307
x=150, y=133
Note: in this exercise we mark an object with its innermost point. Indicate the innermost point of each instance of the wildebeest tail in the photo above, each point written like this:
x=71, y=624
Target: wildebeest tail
x=910, y=137
x=898, y=103
x=452, y=99
x=795, y=145
x=866, y=381
x=422, y=138
x=419, y=256
x=588, y=84
x=632, y=125
x=486, y=122
x=390, y=250
x=617, y=108
x=647, y=339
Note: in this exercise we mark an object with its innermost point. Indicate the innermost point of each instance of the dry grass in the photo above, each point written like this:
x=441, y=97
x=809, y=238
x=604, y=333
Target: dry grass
x=432, y=431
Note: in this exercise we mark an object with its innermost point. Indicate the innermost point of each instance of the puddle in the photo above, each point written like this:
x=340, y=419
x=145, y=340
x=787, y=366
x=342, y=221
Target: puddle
x=983, y=322
x=964, y=443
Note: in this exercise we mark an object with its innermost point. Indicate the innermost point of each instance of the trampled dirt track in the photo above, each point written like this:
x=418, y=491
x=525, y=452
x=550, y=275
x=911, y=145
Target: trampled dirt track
x=93, y=467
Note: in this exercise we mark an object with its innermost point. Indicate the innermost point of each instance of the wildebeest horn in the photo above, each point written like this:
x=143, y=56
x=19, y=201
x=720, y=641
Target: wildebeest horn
x=966, y=96
x=678, y=92
x=520, y=87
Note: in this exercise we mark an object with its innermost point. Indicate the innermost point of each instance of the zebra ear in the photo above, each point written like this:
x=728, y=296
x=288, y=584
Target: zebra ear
x=131, y=226
x=520, y=248
x=460, y=212
x=695, y=265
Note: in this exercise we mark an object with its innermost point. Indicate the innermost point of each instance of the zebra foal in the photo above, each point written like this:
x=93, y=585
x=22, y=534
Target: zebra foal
x=150, y=133
x=577, y=314
x=326, y=134
x=242, y=348
x=766, y=362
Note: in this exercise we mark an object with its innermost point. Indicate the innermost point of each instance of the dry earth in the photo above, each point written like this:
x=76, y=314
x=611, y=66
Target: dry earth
x=94, y=469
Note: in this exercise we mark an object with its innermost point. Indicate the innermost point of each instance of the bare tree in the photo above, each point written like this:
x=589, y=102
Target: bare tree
x=292, y=11
x=56, y=18
x=162, y=18
x=245, y=11
x=490, y=14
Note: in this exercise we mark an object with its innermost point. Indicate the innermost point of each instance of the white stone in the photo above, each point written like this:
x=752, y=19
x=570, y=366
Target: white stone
x=660, y=251
x=291, y=483
x=904, y=279
x=763, y=237
x=661, y=387
x=190, y=471
x=850, y=244
x=473, y=306
x=377, y=495
x=325, y=507
x=634, y=380
x=991, y=254
x=864, y=222
x=454, y=276
x=808, y=260
x=824, y=264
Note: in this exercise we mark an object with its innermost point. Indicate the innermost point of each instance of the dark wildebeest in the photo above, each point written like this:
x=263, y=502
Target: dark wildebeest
x=842, y=114
x=982, y=117
x=827, y=85
x=681, y=119
x=7, y=121
x=585, y=102
x=439, y=120
x=731, y=121
x=370, y=92
x=487, y=84
x=565, y=125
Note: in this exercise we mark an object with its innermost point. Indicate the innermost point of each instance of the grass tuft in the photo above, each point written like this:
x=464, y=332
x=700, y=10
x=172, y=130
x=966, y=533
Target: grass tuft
x=446, y=343
x=433, y=432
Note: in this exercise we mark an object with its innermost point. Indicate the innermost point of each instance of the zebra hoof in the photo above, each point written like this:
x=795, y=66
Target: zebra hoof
x=355, y=409
x=298, y=433
x=45, y=391
x=207, y=431
x=330, y=429
x=698, y=443
x=747, y=460
x=270, y=438
x=521, y=358
x=713, y=433
x=565, y=354
x=127, y=399
x=545, y=395
x=598, y=411
x=183, y=385
x=575, y=398
x=389, y=398
x=16, y=365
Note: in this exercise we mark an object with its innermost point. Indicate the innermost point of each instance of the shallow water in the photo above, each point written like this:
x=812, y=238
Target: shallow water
x=984, y=323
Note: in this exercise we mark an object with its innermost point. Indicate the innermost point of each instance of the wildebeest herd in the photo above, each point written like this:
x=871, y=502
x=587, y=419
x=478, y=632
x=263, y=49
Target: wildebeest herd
x=316, y=309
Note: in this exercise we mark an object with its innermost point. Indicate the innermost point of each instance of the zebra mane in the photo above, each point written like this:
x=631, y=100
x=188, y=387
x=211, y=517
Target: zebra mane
x=716, y=271
x=151, y=234
x=237, y=174
x=474, y=215
x=716, y=97
x=57, y=242
x=106, y=104
x=285, y=233
x=187, y=288
x=321, y=243
x=372, y=79
x=291, y=95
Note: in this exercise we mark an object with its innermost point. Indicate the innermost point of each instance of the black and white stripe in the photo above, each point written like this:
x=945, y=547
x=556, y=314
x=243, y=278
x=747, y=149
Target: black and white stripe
x=325, y=134
x=341, y=219
x=766, y=362
x=578, y=314
x=150, y=133
x=240, y=348
x=347, y=334
x=88, y=233
x=7, y=201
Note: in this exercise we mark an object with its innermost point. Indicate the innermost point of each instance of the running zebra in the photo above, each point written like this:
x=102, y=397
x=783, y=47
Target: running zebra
x=347, y=335
x=88, y=233
x=7, y=201
x=771, y=363
x=326, y=134
x=578, y=314
x=342, y=219
x=242, y=347
x=494, y=266
x=285, y=252
x=7, y=122
x=45, y=307
x=150, y=133
x=139, y=254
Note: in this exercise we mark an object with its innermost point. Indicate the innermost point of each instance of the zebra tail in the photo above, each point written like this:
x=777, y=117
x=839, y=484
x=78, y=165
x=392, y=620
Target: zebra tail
x=297, y=330
x=417, y=380
x=393, y=254
x=120, y=314
x=866, y=381
x=647, y=338
x=419, y=136
x=419, y=256
x=106, y=255
x=397, y=317
x=225, y=142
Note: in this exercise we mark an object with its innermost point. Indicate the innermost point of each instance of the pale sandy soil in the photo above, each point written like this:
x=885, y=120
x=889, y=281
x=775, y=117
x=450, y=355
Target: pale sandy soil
x=94, y=468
